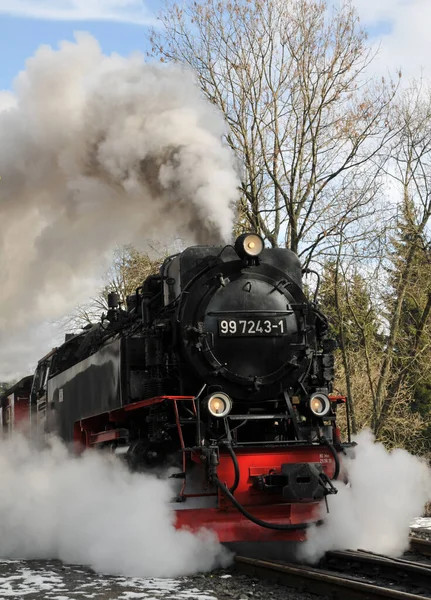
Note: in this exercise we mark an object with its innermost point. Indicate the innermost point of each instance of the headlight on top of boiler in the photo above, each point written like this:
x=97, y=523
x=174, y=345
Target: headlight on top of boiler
x=218, y=405
x=320, y=405
x=249, y=245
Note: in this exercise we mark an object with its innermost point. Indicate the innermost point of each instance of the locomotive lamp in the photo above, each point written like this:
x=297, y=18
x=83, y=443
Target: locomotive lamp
x=249, y=245
x=219, y=404
x=320, y=405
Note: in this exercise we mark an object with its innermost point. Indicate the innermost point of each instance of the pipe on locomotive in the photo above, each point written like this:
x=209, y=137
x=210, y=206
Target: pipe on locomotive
x=219, y=405
x=252, y=518
x=229, y=493
x=332, y=450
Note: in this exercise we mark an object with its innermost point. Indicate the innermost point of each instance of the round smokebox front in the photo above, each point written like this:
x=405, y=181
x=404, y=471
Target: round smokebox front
x=252, y=328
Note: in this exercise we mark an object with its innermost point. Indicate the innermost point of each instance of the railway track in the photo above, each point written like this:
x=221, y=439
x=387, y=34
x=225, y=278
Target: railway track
x=369, y=576
x=397, y=572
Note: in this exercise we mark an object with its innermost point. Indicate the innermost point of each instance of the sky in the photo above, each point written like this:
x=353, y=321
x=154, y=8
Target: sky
x=119, y=26
x=399, y=27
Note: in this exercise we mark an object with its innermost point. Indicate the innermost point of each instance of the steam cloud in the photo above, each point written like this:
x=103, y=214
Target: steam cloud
x=95, y=152
x=92, y=511
x=386, y=490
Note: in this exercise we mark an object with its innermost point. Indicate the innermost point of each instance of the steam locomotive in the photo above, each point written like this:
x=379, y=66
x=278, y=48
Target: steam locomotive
x=218, y=370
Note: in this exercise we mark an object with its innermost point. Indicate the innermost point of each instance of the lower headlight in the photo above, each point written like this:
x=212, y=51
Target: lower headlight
x=219, y=404
x=320, y=405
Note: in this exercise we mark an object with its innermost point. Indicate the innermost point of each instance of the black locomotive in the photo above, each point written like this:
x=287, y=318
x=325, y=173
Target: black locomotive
x=218, y=364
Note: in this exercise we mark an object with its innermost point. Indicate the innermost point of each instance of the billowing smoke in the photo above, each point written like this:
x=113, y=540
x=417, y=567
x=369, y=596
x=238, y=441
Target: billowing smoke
x=92, y=511
x=386, y=490
x=96, y=152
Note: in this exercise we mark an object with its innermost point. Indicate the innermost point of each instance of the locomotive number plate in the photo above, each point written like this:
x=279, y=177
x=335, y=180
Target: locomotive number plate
x=268, y=326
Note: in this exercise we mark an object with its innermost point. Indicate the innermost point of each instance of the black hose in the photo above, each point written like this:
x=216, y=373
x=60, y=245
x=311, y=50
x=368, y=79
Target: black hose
x=250, y=517
x=335, y=456
x=236, y=468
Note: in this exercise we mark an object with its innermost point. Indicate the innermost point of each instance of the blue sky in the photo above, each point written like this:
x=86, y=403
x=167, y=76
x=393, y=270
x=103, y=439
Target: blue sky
x=19, y=38
x=123, y=31
x=399, y=28
x=118, y=25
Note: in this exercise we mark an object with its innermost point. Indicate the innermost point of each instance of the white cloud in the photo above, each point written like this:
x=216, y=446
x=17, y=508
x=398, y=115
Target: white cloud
x=372, y=11
x=407, y=45
x=127, y=11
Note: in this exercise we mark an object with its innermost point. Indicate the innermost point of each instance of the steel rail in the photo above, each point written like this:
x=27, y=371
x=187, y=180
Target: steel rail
x=395, y=570
x=320, y=582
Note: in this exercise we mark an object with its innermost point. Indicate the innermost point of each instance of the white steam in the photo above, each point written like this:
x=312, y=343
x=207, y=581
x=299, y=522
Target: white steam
x=386, y=490
x=92, y=511
x=96, y=152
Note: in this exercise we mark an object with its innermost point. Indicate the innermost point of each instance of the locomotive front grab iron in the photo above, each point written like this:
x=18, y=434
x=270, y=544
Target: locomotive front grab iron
x=219, y=366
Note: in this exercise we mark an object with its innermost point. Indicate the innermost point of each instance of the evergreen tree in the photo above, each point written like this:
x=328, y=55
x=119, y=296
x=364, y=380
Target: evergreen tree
x=346, y=299
x=411, y=370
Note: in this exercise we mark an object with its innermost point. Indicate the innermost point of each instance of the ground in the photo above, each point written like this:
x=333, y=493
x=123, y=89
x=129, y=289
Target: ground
x=421, y=524
x=55, y=581
x=52, y=580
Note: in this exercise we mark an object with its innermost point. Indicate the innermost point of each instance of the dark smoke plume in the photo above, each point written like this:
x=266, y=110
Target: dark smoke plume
x=95, y=152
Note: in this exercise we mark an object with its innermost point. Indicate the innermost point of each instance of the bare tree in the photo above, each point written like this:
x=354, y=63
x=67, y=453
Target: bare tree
x=347, y=299
x=411, y=172
x=352, y=299
x=306, y=124
x=128, y=270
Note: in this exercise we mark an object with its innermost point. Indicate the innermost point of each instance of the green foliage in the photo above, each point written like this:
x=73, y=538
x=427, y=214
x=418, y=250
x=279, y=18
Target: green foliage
x=346, y=300
x=412, y=356
x=422, y=399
